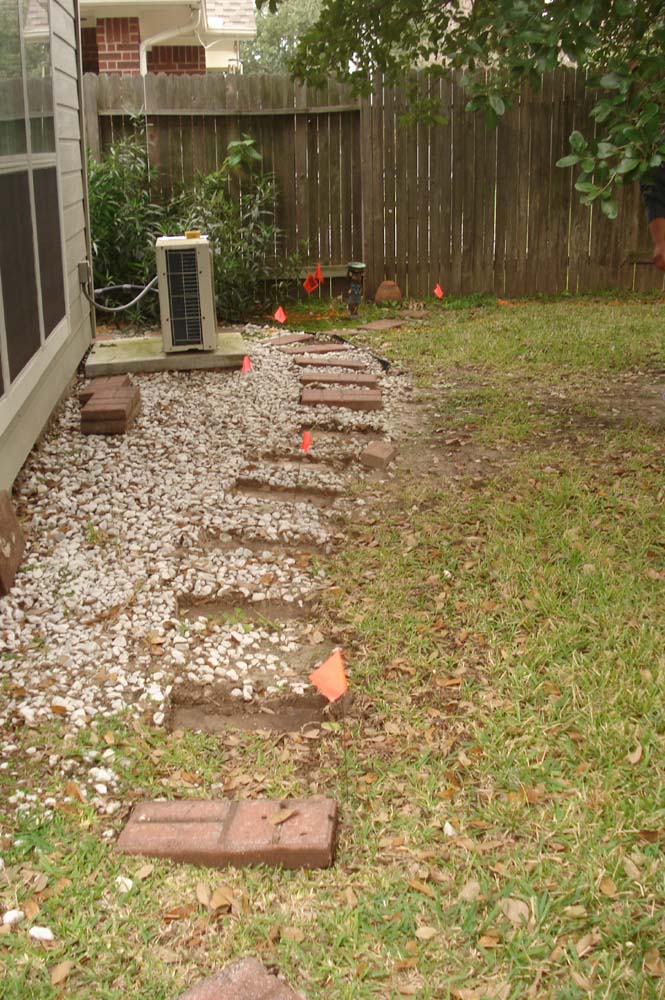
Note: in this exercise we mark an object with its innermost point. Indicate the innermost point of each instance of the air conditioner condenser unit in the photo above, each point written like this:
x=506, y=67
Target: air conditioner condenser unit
x=186, y=296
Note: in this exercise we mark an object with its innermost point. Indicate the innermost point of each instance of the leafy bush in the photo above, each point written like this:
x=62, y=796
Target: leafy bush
x=234, y=206
x=124, y=221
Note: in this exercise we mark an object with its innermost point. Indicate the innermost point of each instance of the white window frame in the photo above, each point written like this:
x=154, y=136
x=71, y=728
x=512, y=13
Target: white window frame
x=16, y=393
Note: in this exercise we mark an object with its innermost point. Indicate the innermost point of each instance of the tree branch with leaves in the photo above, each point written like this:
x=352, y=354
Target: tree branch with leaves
x=618, y=45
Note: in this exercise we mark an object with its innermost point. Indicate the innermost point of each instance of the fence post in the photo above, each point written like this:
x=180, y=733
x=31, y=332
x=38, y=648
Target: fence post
x=91, y=113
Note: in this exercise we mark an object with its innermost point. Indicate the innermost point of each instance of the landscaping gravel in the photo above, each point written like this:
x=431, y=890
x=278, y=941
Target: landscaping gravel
x=124, y=531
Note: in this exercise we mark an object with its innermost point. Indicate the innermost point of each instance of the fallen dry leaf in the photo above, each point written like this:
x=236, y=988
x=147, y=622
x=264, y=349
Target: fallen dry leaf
x=493, y=991
x=607, y=887
x=587, y=943
x=73, y=790
x=178, y=912
x=470, y=891
x=203, y=894
x=40, y=883
x=422, y=887
x=636, y=755
x=653, y=963
x=144, y=871
x=491, y=939
x=222, y=896
x=30, y=908
x=351, y=898
x=652, y=836
x=281, y=817
x=516, y=910
x=426, y=933
x=293, y=934
x=60, y=972
x=405, y=963
x=631, y=869
x=584, y=982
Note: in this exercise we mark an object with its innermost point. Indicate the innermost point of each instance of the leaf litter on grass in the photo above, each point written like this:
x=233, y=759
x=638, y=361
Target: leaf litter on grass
x=502, y=835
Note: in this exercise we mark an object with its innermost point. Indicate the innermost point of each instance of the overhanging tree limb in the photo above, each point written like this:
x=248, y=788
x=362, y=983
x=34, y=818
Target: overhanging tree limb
x=618, y=45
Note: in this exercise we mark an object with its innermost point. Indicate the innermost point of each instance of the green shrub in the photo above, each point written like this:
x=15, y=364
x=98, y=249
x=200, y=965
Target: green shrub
x=124, y=221
x=234, y=206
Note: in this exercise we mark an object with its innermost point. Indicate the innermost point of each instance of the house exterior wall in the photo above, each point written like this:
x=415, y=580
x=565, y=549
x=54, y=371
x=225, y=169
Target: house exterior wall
x=118, y=40
x=89, y=53
x=27, y=400
x=176, y=59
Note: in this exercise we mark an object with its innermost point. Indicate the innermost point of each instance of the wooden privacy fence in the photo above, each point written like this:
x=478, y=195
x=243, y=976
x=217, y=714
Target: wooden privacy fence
x=475, y=208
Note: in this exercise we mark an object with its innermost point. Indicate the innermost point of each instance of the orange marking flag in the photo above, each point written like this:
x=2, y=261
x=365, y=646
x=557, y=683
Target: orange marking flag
x=438, y=291
x=318, y=274
x=310, y=284
x=246, y=365
x=306, y=442
x=330, y=678
x=280, y=315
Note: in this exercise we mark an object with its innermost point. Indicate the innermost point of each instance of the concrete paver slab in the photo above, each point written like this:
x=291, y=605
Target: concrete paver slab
x=145, y=354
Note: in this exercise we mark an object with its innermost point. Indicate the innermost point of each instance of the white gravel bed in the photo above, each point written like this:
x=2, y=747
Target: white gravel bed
x=115, y=527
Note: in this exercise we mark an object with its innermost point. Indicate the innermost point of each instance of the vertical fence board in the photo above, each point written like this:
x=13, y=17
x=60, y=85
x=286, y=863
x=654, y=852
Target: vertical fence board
x=474, y=208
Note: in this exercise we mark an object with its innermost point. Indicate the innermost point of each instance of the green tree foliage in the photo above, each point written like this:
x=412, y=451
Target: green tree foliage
x=277, y=35
x=618, y=45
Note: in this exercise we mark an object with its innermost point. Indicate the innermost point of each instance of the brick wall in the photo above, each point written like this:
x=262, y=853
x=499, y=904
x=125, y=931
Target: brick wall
x=177, y=59
x=89, y=54
x=118, y=40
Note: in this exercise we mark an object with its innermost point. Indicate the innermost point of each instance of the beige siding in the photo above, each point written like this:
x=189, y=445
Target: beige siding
x=51, y=374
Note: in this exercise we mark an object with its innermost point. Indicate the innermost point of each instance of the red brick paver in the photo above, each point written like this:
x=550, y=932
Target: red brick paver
x=244, y=980
x=326, y=348
x=306, y=362
x=298, y=833
x=106, y=384
x=290, y=338
x=378, y=454
x=111, y=410
x=350, y=399
x=12, y=543
x=360, y=378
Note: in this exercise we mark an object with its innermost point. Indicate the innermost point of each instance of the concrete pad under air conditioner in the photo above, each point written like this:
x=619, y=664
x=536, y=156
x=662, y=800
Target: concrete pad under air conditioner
x=146, y=354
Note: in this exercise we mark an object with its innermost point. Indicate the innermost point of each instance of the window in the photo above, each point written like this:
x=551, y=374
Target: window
x=32, y=292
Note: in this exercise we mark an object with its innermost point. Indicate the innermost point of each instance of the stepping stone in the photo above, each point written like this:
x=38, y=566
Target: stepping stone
x=351, y=399
x=104, y=384
x=306, y=362
x=382, y=324
x=111, y=412
x=365, y=378
x=247, y=979
x=326, y=348
x=378, y=454
x=291, y=833
x=290, y=338
x=12, y=543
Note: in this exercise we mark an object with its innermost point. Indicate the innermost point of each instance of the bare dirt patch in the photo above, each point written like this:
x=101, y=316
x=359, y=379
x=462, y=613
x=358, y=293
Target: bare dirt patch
x=248, y=486
x=236, y=608
x=213, y=709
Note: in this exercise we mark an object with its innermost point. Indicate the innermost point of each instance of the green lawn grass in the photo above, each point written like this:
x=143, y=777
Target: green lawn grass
x=501, y=776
